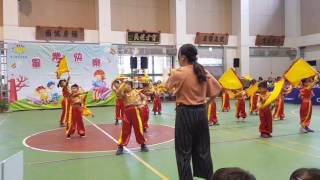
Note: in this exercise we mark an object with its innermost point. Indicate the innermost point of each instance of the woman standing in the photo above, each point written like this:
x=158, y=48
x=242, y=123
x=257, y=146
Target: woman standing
x=192, y=84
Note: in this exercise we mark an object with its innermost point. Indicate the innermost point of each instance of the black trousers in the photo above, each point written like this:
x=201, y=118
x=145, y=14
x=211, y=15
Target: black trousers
x=192, y=140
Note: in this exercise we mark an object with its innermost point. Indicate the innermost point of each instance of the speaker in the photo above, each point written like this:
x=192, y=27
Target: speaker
x=236, y=62
x=144, y=62
x=133, y=62
x=312, y=63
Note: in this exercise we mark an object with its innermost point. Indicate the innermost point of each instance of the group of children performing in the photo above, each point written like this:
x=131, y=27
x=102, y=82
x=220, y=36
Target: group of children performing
x=269, y=113
x=131, y=108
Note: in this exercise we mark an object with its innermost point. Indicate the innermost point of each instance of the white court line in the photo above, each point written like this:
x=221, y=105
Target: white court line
x=24, y=142
x=5, y=119
x=163, y=177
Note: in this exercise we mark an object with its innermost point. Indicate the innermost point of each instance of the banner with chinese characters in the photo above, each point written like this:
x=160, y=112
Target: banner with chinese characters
x=32, y=77
x=143, y=37
x=269, y=40
x=59, y=33
x=212, y=38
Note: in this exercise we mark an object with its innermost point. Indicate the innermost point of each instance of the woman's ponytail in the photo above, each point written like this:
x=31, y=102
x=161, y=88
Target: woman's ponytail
x=190, y=51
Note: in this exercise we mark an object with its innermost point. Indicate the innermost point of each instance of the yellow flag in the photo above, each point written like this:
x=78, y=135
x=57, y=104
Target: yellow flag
x=299, y=70
x=278, y=86
x=252, y=89
x=85, y=110
x=230, y=80
x=62, y=67
x=232, y=95
x=248, y=77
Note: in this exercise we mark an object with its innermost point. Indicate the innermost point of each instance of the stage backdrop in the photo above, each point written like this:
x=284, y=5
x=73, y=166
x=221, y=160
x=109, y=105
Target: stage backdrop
x=32, y=78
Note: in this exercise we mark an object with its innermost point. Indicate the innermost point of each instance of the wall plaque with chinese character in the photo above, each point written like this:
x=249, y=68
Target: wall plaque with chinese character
x=59, y=33
x=143, y=37
x=212, y=38
x=269, y=40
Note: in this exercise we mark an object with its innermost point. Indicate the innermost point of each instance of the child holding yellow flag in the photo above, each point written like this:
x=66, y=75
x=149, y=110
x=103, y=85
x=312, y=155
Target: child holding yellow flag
x=241, y=96
x=265, y=113
x=306, y=94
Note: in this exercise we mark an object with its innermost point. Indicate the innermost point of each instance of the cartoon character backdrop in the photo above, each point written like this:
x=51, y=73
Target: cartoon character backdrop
x=32, y=77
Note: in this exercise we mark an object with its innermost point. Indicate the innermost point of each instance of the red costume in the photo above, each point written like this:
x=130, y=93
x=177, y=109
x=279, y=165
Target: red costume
x=65, y=106
x=157, y=104
x=241, y=106
x=265, y=115
x=306, y=95
x=119, y=111
x=132, y=100
x=212, y=113
x=75, y=121
x=133, y=119
x=145, y=111
x=279, y=109
x=254, y=103
x=225, y=101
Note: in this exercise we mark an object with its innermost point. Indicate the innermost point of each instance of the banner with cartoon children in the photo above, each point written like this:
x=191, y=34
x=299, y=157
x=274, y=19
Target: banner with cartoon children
x=32, y=73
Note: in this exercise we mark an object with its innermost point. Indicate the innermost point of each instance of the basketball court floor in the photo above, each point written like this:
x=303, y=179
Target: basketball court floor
x=48, y=155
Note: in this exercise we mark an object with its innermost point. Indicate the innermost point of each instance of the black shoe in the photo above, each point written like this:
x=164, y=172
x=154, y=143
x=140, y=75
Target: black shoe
x=159, y=113
x=154, y=113
x=117, y=122
x=119, y=151
x=264, y=135
x=144, y=148
x=308, y=129
x=68, y=137
x=82, y=135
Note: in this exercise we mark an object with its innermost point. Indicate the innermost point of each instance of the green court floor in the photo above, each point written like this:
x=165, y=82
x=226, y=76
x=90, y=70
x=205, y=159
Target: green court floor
x=232, y=145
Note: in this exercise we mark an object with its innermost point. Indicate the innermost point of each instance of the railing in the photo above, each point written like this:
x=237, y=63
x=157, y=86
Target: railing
x=12, y=168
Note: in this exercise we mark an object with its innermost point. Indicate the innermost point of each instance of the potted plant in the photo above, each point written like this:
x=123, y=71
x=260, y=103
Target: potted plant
x=3, y=105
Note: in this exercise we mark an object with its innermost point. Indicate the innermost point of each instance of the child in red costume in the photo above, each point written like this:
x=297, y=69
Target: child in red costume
x=157, y=106
x=119, y=110
x=147, y=91
x=65, y=104
x=212, y=113
x=254, y=100
x=241, y=114
x=279, y=105
x=265, y=113
x=75, y=121
x=225, y=100
x=306, y=94
x=133, y=101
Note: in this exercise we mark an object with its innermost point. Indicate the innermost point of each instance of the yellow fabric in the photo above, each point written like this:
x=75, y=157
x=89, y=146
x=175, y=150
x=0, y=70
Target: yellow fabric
x=209, y=111
x=230, y=80
x=232, y=95
x=62, y=67
x=248, y=77
x=120, y=138
x=69, y=122
x=252, y=89
x=299, y=70
x=274, y=94
x=85, y=110
x=139, y=120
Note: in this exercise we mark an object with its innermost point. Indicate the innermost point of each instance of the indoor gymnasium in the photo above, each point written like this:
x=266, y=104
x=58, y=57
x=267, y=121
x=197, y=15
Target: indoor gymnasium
x=159, y=89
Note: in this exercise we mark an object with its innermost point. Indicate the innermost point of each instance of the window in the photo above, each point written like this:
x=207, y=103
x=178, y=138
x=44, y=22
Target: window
x=157, y=66
x=210, y=61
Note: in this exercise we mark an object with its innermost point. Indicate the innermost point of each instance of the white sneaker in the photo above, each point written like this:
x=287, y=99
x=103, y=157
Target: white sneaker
x=303, y=130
